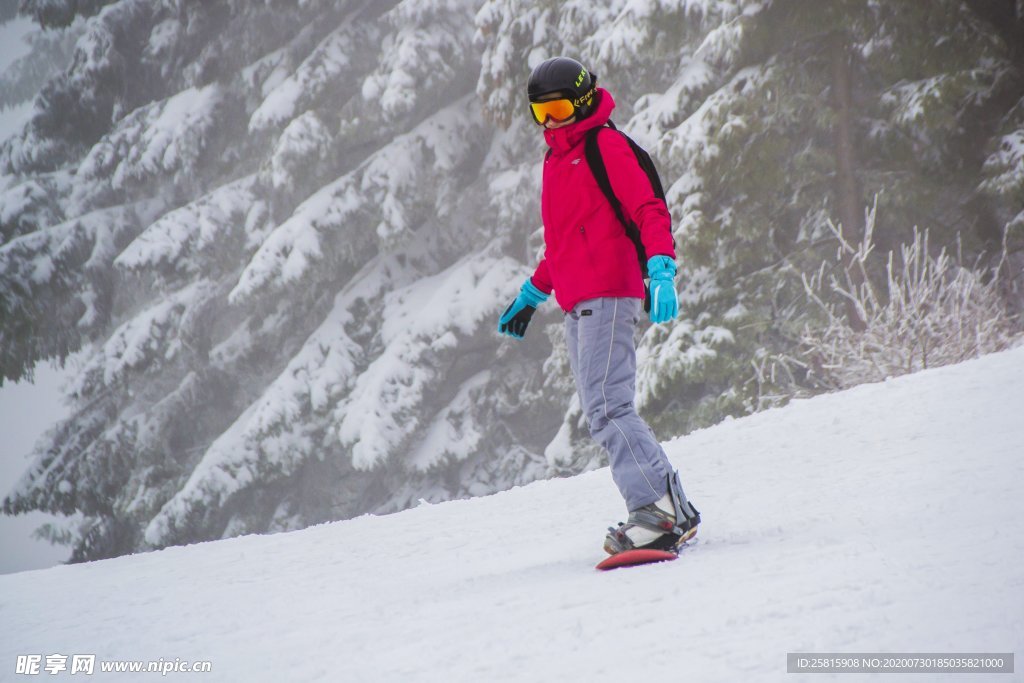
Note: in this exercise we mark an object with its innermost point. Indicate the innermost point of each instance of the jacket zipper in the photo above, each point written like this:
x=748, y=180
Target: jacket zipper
x=586, y=246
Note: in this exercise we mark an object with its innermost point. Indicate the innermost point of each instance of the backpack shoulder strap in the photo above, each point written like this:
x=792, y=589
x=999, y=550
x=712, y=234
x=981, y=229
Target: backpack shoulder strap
x=600, y=171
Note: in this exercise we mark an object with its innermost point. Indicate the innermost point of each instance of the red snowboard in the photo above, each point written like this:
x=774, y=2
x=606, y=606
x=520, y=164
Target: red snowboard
x=629, y=558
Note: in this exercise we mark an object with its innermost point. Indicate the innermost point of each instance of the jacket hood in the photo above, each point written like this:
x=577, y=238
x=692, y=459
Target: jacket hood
x=563, y=139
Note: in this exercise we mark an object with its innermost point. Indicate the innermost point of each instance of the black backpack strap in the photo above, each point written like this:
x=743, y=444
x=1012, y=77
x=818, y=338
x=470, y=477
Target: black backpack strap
x=600, y=172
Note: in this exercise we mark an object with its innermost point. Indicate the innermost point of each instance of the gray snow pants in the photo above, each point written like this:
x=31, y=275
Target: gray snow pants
x=602, y=354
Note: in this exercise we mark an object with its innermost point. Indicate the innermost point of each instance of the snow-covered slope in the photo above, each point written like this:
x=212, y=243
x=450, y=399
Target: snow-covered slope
x=888, y=517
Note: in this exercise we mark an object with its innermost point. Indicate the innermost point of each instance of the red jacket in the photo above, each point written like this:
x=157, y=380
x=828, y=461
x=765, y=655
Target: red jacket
x=586, y=251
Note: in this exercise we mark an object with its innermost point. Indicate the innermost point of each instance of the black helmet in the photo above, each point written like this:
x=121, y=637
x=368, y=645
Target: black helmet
x=562, y=74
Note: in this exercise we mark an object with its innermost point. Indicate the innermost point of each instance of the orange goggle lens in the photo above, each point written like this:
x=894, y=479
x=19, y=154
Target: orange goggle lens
x=558, y=110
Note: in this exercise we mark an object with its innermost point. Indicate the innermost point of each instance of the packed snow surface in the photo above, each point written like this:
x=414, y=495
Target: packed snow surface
x=884, y=518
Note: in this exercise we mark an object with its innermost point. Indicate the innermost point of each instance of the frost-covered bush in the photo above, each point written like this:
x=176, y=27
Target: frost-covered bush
x=930, y=309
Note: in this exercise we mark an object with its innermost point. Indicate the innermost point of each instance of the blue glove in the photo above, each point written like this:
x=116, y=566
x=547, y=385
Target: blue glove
x=664, y=301
x=516, y=317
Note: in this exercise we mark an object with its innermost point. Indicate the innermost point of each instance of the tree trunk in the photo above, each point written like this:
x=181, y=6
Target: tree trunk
x=851, y=213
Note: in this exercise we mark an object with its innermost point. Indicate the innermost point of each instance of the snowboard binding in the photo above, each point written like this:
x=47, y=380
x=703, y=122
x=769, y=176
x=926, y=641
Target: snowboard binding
x=673, y=529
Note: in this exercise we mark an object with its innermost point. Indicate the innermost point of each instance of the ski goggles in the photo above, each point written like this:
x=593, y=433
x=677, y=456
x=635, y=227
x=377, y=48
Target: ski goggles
x=558, y=110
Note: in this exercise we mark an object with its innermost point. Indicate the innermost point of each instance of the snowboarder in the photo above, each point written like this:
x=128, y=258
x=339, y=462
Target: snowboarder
x=591, y=264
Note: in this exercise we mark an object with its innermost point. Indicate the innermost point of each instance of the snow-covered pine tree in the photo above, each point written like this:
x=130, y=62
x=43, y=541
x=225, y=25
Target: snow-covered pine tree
x=776, y=148
x=1002, y=186
x=275, y=231
x=49, y=52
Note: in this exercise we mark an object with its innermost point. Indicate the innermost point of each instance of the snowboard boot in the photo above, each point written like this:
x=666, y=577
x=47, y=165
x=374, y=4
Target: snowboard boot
x=663, y=525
